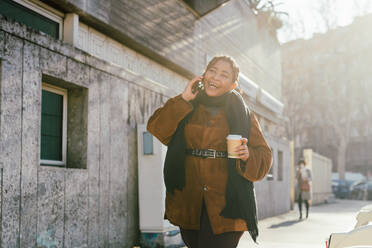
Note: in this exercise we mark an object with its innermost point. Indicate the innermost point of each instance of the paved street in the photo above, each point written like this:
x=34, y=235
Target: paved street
x=286, y=231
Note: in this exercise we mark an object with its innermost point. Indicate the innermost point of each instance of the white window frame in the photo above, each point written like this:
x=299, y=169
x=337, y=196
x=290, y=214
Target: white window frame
x=63, y=92
x=44, y=10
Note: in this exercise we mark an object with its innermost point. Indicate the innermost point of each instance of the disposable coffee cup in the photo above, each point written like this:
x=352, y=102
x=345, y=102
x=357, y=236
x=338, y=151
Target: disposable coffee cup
x=233, y=141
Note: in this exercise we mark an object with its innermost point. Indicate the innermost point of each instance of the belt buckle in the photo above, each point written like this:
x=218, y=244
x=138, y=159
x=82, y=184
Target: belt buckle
x=214, y=153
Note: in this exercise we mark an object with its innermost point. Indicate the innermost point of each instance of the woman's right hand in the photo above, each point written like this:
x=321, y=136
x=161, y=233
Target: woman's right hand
x=187, y=94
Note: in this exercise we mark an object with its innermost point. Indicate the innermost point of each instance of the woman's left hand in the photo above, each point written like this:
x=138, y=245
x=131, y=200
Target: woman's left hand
x=242, y=150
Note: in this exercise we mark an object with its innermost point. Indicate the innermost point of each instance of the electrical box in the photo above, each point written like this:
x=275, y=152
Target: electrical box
x=151, y=190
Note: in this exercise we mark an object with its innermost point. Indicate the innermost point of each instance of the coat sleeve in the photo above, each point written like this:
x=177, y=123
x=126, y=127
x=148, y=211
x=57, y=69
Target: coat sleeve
x=260, y=155
x=164, y=122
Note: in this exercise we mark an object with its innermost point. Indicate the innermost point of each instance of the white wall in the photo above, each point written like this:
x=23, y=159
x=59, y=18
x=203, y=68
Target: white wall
x=321, y=168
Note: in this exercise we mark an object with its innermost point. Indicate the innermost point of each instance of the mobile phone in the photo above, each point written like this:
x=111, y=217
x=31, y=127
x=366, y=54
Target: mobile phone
x=198, y=86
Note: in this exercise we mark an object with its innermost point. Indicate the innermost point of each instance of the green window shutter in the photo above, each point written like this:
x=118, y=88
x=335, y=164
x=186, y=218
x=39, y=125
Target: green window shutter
x=51, y=126
x=28, y=17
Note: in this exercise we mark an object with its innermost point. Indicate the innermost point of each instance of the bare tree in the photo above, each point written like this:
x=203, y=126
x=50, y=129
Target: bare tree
x=328, y=94
x=294, y=97
x=324, y=16
x=362, y=7
x=327, y=13
x=335, y=105
x=327, y=99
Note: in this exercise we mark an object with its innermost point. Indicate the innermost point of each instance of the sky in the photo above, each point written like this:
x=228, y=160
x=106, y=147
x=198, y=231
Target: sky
x=306, y=17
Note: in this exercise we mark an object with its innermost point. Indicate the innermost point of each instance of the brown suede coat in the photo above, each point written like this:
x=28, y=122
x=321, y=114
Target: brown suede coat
x=206, y=178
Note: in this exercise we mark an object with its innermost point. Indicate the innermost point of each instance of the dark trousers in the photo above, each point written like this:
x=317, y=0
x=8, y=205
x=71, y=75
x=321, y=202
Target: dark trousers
x=300, y=205
x=204, y=238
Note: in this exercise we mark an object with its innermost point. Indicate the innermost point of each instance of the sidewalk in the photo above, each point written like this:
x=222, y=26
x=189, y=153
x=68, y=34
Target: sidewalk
x=286, y=231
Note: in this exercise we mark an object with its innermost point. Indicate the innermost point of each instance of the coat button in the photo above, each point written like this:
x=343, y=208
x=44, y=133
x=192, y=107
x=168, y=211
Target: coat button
x=205, y=187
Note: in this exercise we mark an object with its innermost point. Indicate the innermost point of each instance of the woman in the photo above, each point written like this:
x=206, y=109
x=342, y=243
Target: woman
x=209, y=196
x=304, y=187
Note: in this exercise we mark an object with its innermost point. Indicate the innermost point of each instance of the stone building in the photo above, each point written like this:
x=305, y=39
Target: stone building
x=77, y=77
x=338, y=61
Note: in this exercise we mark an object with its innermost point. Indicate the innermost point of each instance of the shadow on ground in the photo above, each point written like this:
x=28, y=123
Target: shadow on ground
x=285, y=223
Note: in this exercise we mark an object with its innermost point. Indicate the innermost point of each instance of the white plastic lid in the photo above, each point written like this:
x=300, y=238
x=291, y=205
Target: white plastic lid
x=234, y=136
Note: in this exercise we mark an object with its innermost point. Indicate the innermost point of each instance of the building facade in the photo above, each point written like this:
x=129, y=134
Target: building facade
x=77, y=77
x=326, y=80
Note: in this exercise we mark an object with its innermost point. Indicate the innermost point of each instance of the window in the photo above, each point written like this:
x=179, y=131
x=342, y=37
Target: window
x=64, y=124
x=280, y=166
x=203, y=7
x=53, y=125
x=33, y=15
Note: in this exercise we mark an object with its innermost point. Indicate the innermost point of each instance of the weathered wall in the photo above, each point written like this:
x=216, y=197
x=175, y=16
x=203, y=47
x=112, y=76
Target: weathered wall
x=273, y=197
x=106, y=48
x=170, y=30
x=98, y=206
x=61, y=207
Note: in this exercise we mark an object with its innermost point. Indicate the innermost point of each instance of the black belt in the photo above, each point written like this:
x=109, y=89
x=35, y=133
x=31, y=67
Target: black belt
x=209, y=153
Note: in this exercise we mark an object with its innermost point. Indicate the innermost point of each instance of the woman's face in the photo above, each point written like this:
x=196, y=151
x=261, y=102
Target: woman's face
x=218, y=79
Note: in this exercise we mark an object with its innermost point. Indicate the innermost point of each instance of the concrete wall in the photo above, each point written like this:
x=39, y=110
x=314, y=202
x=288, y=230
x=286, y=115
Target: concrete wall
x=321, y=168
x=273, y=196
x=169, y=30
x=64, y=207
x=95, y=202
x=102, y=46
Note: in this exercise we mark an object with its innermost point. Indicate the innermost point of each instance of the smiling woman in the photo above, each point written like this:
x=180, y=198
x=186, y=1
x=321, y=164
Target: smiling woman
x=211, y=200
x=220, y=76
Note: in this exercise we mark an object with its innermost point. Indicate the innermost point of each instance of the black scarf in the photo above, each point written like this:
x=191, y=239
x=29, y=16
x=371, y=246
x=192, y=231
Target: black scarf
x=240, y=195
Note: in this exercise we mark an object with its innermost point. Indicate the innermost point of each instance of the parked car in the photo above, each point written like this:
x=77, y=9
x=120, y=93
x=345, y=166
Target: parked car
x=361, y=190
x=341, y=188
x=334, y=186
x=357, y=190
